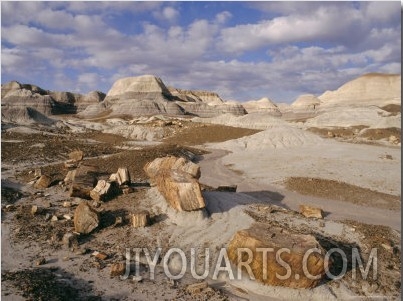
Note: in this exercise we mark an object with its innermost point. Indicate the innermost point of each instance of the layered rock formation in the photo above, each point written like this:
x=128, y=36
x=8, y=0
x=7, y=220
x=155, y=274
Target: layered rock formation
x=262, y=105
x=196, y=96
x=148, y=95
x=25, y=103
x=369, y=89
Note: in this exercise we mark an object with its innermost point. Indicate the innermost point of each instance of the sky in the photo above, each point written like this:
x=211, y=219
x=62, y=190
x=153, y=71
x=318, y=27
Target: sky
x=241, y=50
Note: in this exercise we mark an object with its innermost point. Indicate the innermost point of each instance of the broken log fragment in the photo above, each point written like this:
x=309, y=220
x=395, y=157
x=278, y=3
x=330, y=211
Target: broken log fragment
x=122, y=176
x=172, y=163
x=264, y=236
x=103, y=191
x=227, y=188
x=140, y=219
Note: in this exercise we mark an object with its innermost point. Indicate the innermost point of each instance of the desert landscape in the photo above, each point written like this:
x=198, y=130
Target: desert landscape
x=87, y=179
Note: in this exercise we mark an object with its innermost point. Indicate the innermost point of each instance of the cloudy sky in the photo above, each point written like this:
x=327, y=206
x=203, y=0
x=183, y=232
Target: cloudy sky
x=241, y=50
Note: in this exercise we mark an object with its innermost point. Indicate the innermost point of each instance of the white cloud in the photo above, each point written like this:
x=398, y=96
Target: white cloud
x=223, y=17
x=170, y=13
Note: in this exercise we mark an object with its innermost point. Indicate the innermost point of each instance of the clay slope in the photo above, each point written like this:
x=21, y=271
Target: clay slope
x=370, y=89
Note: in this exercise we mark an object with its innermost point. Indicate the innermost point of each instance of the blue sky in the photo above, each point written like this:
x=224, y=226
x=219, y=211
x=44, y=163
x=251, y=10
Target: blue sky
x=241, y=50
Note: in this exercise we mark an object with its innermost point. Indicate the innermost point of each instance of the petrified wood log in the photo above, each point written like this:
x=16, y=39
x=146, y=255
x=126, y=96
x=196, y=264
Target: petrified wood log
x=83, y=181
x=271, y=270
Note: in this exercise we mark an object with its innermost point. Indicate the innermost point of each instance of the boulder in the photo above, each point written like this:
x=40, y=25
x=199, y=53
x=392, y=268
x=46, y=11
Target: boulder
x=86, y=219
x=176, y=179
x=261, y=235
x=309, y=211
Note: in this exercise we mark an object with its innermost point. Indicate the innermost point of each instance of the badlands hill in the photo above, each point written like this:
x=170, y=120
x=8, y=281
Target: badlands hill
x=262, y=105
x=370, y=89
x=25, y=103
x=148, y=95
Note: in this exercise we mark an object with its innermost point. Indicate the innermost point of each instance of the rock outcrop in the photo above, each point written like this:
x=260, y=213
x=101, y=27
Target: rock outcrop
x=25, y=103
x=177, y=180
x=265, y=236
x=370, y=89
x=196, y=96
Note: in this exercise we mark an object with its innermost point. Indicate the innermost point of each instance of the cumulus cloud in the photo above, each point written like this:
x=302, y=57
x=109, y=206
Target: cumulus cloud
x=285, y=50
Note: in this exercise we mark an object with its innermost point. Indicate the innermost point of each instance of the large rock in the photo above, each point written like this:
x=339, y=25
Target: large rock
x=262, y=235
x=176, y=180
x=370, y=89
x=86, y=219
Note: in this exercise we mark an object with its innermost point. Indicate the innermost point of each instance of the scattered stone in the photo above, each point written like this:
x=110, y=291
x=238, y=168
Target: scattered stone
x=9, y=208
x=309, y=211
x=35, y=209
x=137, y=279
x=86, y=219
x=176, y=179
x=69, y=177
x=229, y=188
x=331, y=134
x=69, y=240
x=54, y=218
x=48, y=216
x=67, y=204
x=67, y=216
x=387, y=247
x=43, y=182
x=38, y=172
x=40, y=261
x=103, y=191
x=81, y=251
x=196, y=288
x=99, y=255
x=66, y=258
x=322, y=224
x=127, y=190
x=122, y=176
x=118, y=221
x=393, y=139
x=262, y=235
x=118, y=269
x=140, y=219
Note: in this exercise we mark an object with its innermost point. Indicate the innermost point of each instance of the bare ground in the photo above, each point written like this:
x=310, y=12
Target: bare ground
x=344, y=192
